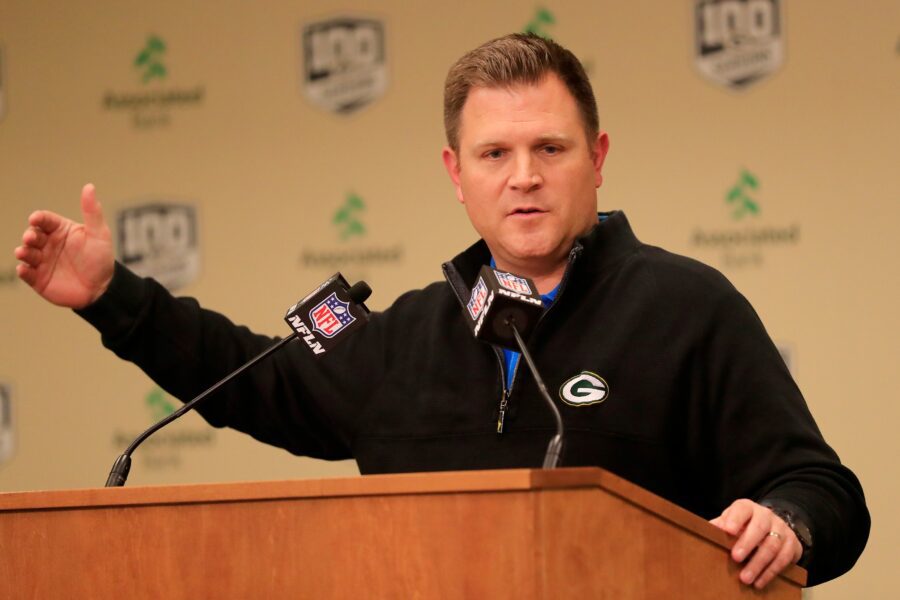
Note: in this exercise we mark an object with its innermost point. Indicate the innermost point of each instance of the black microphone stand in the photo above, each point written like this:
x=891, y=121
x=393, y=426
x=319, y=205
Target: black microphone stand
x=554, y=448
x=119, y=472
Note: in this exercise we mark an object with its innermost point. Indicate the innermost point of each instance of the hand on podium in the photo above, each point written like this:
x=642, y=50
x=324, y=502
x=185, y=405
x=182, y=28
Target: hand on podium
x=767, y=540
x=69, y=264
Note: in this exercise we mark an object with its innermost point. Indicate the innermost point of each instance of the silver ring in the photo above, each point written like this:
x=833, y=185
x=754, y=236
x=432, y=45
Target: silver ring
x=775, y=534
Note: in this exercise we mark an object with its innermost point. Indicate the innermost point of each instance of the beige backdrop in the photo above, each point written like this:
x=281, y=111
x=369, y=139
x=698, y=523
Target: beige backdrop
x=267, y=171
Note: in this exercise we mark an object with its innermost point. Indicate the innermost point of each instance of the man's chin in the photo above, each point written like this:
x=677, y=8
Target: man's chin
x=537, y=253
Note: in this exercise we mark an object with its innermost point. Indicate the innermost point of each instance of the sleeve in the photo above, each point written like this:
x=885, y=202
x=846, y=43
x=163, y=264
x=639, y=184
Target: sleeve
x=289, y=399
x=769, y=448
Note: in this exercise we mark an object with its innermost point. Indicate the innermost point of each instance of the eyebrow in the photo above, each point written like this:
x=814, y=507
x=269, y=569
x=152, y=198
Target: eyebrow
x=541, y=139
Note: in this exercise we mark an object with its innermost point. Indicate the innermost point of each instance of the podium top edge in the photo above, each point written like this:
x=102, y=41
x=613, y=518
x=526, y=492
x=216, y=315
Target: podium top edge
x=368, y=485
x=445, y=482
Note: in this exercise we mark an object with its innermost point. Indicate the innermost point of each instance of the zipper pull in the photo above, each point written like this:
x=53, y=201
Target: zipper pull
x=501, y=416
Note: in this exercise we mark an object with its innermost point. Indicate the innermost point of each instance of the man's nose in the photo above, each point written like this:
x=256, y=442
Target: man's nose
x=525, y=176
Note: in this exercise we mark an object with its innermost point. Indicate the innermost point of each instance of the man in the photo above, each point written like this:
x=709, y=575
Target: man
x=698, y=406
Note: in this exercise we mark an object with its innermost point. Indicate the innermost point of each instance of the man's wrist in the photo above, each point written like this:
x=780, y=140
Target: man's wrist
x=798, y=525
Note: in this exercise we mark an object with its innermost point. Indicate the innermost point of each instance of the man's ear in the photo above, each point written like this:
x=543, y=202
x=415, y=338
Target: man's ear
x=600, y=150
x=451, y=163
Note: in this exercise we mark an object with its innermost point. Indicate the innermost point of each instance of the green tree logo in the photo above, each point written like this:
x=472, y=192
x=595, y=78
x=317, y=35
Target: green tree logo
x=159, y=405
x=739, y=196
x=149, y=61
x=542, y=18
x=346, y=218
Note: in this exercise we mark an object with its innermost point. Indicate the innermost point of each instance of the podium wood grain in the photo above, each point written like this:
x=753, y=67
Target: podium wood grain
x=525, y=534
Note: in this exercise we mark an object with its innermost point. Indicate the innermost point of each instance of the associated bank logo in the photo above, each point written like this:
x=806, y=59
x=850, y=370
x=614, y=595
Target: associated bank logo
x=2, y=84
x=344, y=66
x=347, y=217
x=537, y=25
x=149, y=60
x=353, y=250
x=152, y=104
x=745, y=243
x=739, y=196
x=166, y=449
x=160, y=240
x=7, y=433
x=159, y=406
x=541, y=22
x=738, y=42
x=584, y=389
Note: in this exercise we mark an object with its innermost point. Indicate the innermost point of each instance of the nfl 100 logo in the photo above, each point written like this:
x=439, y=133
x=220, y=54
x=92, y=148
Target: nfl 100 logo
x=513, y=283
x=330, y=316
x=159, y=240
x=738, y=42
x=344, y=63
x=476, y=301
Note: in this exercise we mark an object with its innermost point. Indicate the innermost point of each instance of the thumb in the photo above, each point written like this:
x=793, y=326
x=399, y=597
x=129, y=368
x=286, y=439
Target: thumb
x=91, y=210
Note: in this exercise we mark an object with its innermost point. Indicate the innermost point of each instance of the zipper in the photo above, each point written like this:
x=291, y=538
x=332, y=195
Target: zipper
x=504, y=401
x=507, y=389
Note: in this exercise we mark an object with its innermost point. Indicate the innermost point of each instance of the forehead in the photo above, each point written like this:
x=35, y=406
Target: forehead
x=519, y=109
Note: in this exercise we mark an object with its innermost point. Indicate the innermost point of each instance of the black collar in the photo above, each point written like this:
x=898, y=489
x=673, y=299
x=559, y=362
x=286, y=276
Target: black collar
x=606, y=242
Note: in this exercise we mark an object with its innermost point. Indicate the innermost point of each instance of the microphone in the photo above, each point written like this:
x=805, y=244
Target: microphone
x=329, y=313
x=503, y=309
x=498, y=297
x=336, y=310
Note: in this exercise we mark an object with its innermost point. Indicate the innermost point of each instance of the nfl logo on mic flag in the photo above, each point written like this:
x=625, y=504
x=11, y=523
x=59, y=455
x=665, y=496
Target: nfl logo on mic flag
x=477, y=300
x=513, y=283
x=326, y=315
x=330, y=316
x=498, y=297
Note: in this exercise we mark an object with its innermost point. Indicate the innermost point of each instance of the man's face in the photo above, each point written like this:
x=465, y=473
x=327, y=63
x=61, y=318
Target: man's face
x=526, y=172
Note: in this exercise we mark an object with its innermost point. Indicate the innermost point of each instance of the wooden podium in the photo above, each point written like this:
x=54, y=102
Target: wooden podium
x=524, y=534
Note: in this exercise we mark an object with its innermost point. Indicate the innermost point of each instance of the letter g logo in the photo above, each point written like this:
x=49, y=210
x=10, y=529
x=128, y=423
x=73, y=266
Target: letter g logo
x=584, y=389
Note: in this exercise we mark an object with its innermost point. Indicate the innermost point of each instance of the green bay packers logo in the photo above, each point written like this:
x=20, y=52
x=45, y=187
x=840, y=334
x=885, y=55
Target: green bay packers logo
x=584, y=389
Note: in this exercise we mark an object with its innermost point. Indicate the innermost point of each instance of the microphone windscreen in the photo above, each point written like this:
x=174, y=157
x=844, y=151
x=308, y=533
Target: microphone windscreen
x=359, y=292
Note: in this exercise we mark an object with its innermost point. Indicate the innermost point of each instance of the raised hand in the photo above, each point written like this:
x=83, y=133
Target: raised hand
x=69, y=264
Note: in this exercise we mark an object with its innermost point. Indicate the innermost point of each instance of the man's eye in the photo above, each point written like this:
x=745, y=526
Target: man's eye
x=551, y=150
x=493, y=154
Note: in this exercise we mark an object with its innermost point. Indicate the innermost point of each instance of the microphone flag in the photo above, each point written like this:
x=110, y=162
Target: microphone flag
x=327, y=315
x=499, y=298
